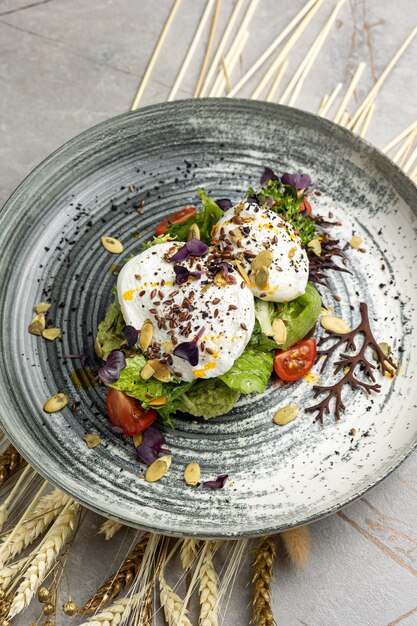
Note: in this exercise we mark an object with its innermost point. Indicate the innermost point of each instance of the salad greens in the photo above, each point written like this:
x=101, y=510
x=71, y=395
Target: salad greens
x=250, y=372
x=205, y=220
x=300, y=315
x=109, y=334
x=208, y=398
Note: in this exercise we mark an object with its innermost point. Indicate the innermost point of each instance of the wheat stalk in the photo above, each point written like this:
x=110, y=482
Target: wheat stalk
x=8, y=573
x=208, y=590
x=297, y=543
x=44, y=557
x=263, y=566
x=117, y=613
x=120, y=580
x=29, y=528
x=188, y=552
x=9, y=462
x=172, y=604
x=109, y=528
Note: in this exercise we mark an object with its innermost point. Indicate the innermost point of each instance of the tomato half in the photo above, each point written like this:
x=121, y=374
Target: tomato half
x=305, y=206
x=127, y=413
x=295, y=362
x=179, y=217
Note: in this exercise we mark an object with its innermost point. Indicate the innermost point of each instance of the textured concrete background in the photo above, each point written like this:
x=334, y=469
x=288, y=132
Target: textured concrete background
x=68, y=64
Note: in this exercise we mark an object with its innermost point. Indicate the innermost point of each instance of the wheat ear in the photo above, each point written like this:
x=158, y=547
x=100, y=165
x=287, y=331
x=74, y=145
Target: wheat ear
x=263, y=566
x=9, y=462
x=188, y=552
x=44, y=557
x=117, y=613
x=109, y=528
x=297, y=543
x=209, y=591
x=120, y=580
x=172, y=604
x=8, y=573
x=30, y=527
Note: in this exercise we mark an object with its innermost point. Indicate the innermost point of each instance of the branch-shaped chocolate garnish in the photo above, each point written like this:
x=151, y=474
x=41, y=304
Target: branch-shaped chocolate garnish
x=349, y=363
x=320, y=264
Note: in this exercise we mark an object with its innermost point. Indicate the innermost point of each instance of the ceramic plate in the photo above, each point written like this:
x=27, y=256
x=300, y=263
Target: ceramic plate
x=50, y=245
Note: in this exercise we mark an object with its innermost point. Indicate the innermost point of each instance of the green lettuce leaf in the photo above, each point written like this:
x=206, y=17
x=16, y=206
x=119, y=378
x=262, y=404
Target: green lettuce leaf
x=208, y=398
x=109, y=333
x=300, y=315
x=250, y=372
x=205, y=220
x=156, y=240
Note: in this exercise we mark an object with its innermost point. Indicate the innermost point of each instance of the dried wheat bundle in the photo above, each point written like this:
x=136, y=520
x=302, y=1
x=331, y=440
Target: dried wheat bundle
x=109, y=528
x=262, y=578
x=188, y=552
x=120, y=580
x=44, y=557
x=297, y=543
x=9, y=462
x=117, y=613
x=173, y=605
x=209, y=589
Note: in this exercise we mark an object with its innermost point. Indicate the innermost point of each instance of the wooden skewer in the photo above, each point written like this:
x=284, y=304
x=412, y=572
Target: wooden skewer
x=360, y=121
x=331, y=99
x=155, y=55
x=285, y=50
x=349, y=91
x=191, y=50
x=208, y=48
x=399, y=137
x=220, y=49
x=368, y=119
x=311, y=56
x=344, y=119
x=401, y=154
x=413, y=174
x=411, y=160
x=378, y=85
x=226, y=75
x=277, y=81
x=323, y=103
x=274, y=45
x=230, y=62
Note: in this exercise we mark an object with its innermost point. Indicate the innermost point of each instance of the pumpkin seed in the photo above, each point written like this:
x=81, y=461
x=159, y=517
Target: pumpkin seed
x=355, y=242
x=146, y=334
x=218, y=280
x=158, y=469
x=42, y=307
x=161, y=371
x=193, y=233
x=286, y=414
x=262, y=277
x=159, y=401
x=147, y=371
x=279, y=331
x=112, y=245
x=98, y=349
x=51, y=333
x=243, y=273
x=56, y=403
x=315, y=246
x=192, y=474
x=386, y=349
x=291, y=252
x=236, y=234
x=263, y=259
x=37, y=325
x=137, y=440
x=92, y=441
x=334, y=324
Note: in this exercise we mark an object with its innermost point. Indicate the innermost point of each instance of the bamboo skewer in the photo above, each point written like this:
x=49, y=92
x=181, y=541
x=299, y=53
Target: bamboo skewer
x=155, y=55
x=208, y=48
x=378, y=85
x=274, y=45
x=327, y=106
x=220, y=49
x=323, y=103
x=399, y=137
x=277, y=81
x=410, y=161
x=229, y=64
x=226, y=75
x=190, y=53
x=311, y=56
x=285, y=50
x=351, y=88
x=344, y=119
x=367, y=121
x=401, y=154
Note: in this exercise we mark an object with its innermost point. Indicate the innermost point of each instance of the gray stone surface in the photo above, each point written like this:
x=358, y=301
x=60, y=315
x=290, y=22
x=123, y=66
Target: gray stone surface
x=68, y=64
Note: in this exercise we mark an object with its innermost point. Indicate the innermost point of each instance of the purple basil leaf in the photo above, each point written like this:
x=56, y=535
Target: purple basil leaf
x=267, y=176
x=110, y=372
x=187, y=350
x=131, y=335
x=196, y=247
x=223, y=265
x=224, y=203
x=253, y=199
x=219, y=483
x=181, y=274
x=181, y=255
x=299, y=181
x=151, y=446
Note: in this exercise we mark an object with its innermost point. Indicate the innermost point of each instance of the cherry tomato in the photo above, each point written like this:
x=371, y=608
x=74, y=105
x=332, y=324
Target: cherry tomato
x=295, y=362
x=179, y=217
x=127, y=413
x=305, y=206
